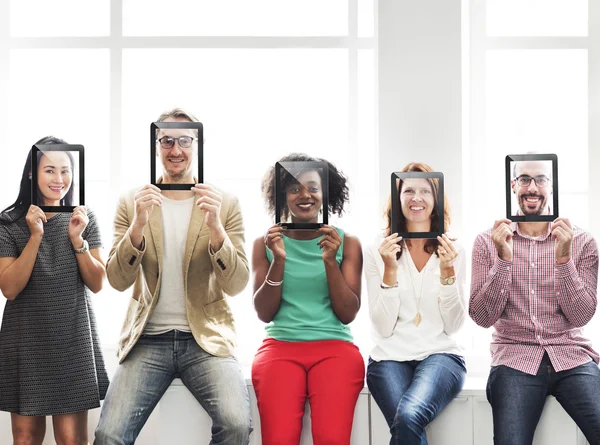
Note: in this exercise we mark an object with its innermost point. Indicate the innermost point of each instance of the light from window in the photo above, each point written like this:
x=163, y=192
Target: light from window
x=537, y=17
x=59, y=18
x=235, y=18
x=537, y=101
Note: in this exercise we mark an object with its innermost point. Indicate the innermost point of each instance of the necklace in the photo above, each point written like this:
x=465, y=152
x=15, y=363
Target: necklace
x=418, y=318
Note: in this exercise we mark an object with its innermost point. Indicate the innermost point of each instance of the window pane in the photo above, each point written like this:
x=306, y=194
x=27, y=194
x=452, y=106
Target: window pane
x=575, y=206
x=537, y=17
x=235, y=17
x=64, y=93
x=366, y=18
x=366, y=163
x=43, y=18
x=256, y=105
x=537, y=100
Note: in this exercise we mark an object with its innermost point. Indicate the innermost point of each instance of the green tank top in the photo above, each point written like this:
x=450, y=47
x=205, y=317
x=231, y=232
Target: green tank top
x=305, y=313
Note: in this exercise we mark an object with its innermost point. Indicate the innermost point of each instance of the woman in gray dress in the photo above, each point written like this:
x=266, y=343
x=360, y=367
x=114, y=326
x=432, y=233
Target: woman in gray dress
x=50, y=358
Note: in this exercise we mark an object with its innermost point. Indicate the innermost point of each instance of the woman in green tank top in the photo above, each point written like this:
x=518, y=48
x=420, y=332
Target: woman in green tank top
x=307, y=288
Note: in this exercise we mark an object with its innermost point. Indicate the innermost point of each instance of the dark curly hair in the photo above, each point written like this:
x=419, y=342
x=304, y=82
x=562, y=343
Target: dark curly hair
x=338, y=186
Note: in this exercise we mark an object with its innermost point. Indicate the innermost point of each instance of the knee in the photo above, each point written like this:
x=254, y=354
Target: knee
x=237, y=429
x=70, y=439
x=327, y=432
x=104, y=435
x=331, y=437
x=26, y=437
x=281, y=436
x=410, y=417
x=117, y=426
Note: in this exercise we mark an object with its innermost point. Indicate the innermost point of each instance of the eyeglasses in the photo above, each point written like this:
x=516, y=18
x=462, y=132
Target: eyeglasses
x=183, y=141
x=540, y=181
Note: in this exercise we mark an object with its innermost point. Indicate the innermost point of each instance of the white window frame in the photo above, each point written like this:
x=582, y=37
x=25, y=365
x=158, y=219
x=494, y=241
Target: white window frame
x=480, y=43
x=475, y=117
x=116, y=42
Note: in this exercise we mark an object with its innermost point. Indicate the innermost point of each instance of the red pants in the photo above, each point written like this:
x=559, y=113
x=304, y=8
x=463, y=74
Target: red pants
x=329, y=372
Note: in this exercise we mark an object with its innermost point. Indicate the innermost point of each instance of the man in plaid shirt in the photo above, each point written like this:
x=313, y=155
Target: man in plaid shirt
x=536, y=284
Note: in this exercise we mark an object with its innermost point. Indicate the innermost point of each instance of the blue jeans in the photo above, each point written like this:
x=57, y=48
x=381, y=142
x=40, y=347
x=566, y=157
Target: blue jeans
x=148, y=370
x=410, y=394
x=518, y=399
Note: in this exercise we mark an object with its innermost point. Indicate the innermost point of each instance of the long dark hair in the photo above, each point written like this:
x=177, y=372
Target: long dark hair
x=19, y=208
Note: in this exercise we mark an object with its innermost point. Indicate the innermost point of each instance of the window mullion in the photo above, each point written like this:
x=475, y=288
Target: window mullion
x=594, y=115
x=4, y=58
x=353, y=83
x=536, y=42
x=477, y=152
x=116, y=66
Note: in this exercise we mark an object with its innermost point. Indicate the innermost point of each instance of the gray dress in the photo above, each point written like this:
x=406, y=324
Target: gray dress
x=50, y=357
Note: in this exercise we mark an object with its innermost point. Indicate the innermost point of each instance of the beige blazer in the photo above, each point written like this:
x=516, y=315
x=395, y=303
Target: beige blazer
x=207, y=277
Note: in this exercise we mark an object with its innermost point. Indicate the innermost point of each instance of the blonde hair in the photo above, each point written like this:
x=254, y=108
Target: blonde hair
x=177, y=113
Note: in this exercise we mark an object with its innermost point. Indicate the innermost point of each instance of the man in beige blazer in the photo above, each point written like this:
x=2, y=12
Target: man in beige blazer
x=182, y=251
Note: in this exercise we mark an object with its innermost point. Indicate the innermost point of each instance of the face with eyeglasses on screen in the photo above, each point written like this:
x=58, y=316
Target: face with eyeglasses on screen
x=532, y=185
x=177, y=148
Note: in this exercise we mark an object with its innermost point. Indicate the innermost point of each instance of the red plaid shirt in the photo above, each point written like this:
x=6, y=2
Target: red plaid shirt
x=534, y=304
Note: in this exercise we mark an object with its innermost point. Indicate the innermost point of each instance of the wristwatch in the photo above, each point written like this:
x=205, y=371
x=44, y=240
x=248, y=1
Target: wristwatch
x=448, y=281
x=84, y=248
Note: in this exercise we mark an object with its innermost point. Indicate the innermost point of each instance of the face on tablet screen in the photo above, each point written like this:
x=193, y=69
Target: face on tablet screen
x=417, y=199
x=417, y=204
x=304, y=196
x=177, y=149
x=532, y=188
x=57, y=173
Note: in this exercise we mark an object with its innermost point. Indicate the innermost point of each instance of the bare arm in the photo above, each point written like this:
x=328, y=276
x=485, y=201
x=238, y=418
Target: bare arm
x=345, y=281
x=267, y=298
x=92, y=269
x=15, y=272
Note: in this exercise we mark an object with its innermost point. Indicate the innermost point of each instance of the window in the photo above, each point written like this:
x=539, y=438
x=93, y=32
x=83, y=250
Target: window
x=529, y=90
x=266, y=80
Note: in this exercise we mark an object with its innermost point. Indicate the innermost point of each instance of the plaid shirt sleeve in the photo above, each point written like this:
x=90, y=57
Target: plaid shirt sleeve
x=490, y=282
x=576, y=283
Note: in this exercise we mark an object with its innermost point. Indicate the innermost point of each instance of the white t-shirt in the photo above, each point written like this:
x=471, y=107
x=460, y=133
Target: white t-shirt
x=443, y=308
x=169, y=312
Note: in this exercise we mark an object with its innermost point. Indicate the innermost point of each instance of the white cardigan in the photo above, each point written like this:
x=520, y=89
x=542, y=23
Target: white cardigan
x=393, y=310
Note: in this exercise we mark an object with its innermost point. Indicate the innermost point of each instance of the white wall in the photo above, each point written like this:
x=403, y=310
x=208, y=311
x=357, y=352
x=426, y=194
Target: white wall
x=420, y=106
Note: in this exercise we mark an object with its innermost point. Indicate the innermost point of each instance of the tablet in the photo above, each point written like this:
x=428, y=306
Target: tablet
x=301, y=194
x=176, y=148
x=428, y=187
x=57, y=177
x=532, y=187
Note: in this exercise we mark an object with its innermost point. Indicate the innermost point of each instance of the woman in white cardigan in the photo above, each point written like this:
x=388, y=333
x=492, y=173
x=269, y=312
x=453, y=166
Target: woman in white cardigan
x=417, y=300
